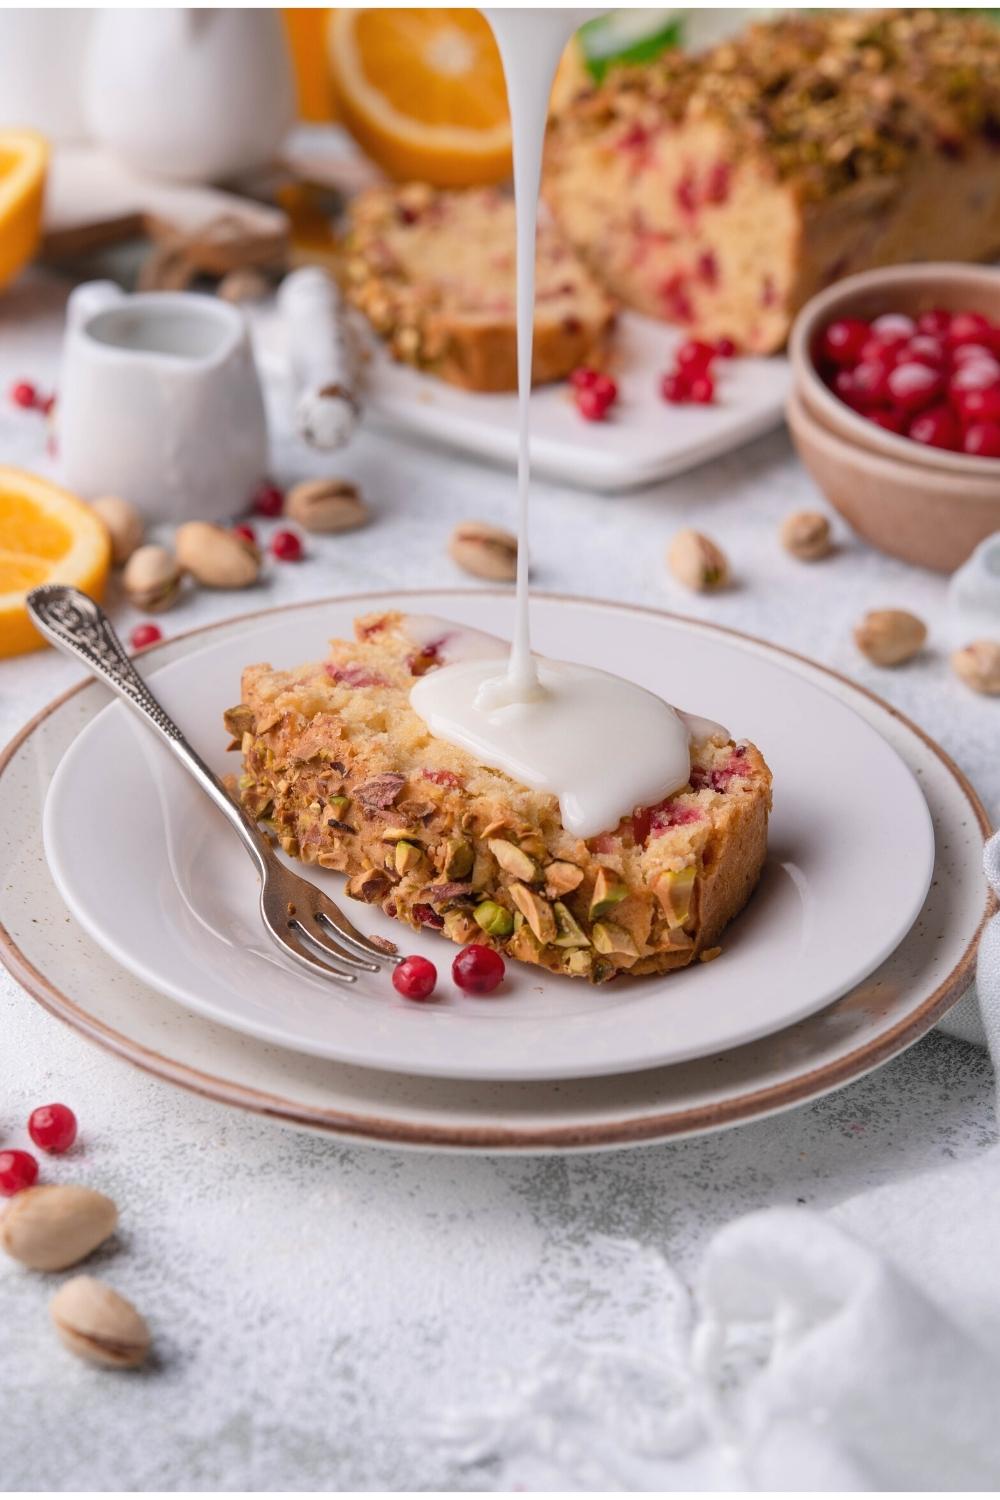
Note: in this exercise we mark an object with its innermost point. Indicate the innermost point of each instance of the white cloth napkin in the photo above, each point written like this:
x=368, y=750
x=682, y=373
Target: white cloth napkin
x=853, y=1350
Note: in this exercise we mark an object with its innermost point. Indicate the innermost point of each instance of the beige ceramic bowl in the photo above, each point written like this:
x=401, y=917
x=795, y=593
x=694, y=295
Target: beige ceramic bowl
x=924, y=505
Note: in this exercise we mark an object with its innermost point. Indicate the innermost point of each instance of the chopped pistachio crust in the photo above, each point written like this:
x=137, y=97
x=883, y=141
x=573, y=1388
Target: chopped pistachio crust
x=829, y=97
x=434, y=272
x=343, y=772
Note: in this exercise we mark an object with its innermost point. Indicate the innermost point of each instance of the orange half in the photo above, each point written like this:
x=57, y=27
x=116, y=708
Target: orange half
x=423, y=93
x=23, y=160
x=46, y=536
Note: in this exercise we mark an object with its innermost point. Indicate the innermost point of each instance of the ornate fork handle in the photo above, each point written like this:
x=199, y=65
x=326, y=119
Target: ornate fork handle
x=78, y=626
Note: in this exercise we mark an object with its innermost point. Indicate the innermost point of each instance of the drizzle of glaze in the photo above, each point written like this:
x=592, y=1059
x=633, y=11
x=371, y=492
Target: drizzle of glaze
x=602, y=745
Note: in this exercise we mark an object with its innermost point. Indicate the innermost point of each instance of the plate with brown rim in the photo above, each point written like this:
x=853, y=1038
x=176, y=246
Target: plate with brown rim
x=153, y=873
x=892, y=1008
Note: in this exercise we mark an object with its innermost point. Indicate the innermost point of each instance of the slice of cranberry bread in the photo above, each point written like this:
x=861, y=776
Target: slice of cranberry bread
x=347, y=776
x=721, y=191
x=434, y=273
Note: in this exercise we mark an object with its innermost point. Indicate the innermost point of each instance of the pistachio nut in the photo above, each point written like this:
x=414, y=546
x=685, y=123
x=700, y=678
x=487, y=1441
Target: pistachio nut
x=326, y=505
x=536, y=912
x=888, y=637
x=494, y=919
x=124, y=524
x=52, y=1227
x=152, y=578
x=512, y=859
x=607, y=893
x=697, y=562
x=978, y=665
x=98, y=1324
x=806, y=535
x=485, y=551
x=215, y=557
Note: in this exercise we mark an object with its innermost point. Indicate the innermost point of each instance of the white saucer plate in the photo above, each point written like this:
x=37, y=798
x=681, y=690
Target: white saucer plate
x=71, y=976
x=155, y=876
x=645, y=440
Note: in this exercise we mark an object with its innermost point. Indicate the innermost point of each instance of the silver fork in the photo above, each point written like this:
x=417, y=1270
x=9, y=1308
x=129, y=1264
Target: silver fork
x=297, y=915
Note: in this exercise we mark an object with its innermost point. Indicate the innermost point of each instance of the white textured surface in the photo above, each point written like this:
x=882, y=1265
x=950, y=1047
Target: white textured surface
x=313, y=1303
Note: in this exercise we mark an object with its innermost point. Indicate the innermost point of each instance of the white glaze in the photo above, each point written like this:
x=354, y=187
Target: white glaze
x=600, y=744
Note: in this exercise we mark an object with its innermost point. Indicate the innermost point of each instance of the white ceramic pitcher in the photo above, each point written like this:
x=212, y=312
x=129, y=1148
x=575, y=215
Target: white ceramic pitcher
x=159, y=402
x=191, y=95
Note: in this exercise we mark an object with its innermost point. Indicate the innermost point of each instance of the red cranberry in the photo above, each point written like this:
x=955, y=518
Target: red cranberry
x=592, y=406
x=708, y=268
x=46, y=404
x=968, y=328
x=843, y=340
x=52, y=1127
x=478, y=970
x=967, y=353
x=702, y=390
x=287, y=546
x=893, y=327
x=415, y=977
x=685, y=195
x=694, y=356
x=935, y=321
x=678, y=303
x=726, y=348
x=583, y=378
x=982, y=439
x=846, y=389
x=426, y=915
x=145, y=635
x=925, y=349
x=912, y=386
x=674, y=388
x=18, y=1170
x=878, y=352
x=937, y=427
x=977, y=375
x=605, y=389
x=871, y=382
x=980, y=406
x=717, y=187
x=246, y=531
x=891, y=420
x=24, y=394
x=268, y=501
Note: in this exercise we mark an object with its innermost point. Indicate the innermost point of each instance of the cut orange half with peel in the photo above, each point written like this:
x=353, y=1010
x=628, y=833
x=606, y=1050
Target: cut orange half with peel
x=422, y=91
x=46, y=536
x=23, y=159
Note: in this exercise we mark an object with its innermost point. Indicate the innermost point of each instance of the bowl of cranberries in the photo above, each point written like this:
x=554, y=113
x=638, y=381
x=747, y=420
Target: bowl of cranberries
x=895, y=406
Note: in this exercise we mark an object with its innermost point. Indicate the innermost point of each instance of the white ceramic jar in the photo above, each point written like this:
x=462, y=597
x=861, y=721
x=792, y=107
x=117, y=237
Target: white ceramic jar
x=189, y=95
x=159, y=402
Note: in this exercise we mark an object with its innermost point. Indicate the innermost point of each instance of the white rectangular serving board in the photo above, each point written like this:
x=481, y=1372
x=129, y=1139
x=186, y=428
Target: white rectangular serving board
x=645, y=440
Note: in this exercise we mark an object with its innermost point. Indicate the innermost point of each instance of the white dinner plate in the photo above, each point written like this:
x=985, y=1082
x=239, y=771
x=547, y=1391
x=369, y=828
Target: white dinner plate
x=156, y=877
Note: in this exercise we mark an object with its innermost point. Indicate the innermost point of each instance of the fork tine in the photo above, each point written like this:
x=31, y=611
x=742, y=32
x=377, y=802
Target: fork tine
x=348, y=933
x=319, y=936
x=293, y=945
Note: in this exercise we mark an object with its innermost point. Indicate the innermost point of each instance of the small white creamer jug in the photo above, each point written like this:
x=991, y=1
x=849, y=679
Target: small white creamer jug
x=159, y=402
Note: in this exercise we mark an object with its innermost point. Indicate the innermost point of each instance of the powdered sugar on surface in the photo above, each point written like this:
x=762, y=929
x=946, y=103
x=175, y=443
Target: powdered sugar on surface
x=325, y=1316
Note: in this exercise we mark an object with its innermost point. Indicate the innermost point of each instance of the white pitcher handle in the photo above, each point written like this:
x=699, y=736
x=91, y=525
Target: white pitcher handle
x=90, y=298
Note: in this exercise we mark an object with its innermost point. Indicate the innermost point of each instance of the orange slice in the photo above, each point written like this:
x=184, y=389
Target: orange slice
x=23, y=159
x=46, y=536
x=423, y=93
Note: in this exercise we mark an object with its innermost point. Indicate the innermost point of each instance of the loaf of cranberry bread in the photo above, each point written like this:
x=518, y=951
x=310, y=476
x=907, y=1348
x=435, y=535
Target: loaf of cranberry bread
x=344, y=773
x=721, y=191
x=434, y=273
